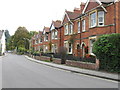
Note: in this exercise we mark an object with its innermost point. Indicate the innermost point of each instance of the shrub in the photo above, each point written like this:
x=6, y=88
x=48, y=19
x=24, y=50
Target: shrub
x=21, y=50
x=107, y=50
x=36, y=53
x=63, y=53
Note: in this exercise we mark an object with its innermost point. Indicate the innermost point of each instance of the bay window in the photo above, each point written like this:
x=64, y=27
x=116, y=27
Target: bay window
x=71, y=29
x=93, y=19
x=83, y=25
x=100, y=18
x=66, y=29
x=78, y=26
x=56, y=33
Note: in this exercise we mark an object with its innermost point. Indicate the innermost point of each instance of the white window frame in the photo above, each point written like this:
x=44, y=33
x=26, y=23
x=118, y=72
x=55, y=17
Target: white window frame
x=70, y=29
x=93, y=19
x=78, y=23
x=46, y=39
x=52, y=35
x=83, y=25
x=66, y=29
x=55, y=34
x=101, y=16
x=91, y=46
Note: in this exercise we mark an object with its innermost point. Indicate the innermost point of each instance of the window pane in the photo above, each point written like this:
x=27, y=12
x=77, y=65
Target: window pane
x=78, y=27
x=83, y=25
x=93, y=19
x=101, y=18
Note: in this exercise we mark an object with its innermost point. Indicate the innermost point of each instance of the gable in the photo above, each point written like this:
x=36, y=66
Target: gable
x=92, y=4
x=65, y=20
x=52, y=27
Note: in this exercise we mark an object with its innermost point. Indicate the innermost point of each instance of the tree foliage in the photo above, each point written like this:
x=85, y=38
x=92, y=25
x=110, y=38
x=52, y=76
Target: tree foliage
x=107, y=50
x=21, y=37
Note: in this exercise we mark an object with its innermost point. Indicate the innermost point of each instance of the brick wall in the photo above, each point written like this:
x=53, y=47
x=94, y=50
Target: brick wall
x=56, y=60
x=81, y=64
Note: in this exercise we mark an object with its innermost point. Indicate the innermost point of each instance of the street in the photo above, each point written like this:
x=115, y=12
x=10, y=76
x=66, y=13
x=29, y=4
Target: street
x=18, y=72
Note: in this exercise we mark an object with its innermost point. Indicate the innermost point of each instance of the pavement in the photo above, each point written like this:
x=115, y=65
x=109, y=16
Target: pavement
x=94, y=73
x=19, y=72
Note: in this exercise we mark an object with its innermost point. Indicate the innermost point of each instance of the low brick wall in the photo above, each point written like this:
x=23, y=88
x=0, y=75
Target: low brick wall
x=44, y=58
x=81, y=64
x=56, y=60
x=37, y=57
x=86, y=65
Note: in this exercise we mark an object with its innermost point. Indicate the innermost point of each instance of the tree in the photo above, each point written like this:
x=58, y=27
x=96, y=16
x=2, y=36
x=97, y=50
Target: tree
x=7, y=38
x=10, y=44
x=21, y=38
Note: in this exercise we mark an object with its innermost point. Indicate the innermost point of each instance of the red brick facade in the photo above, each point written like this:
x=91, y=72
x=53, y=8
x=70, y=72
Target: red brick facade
x=80, y=28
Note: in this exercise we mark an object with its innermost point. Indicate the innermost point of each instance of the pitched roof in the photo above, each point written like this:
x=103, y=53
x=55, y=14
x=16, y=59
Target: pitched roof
x=57, y=23
x=46, y=29
x=91, y=4
x=72, y=15
x=69, y=16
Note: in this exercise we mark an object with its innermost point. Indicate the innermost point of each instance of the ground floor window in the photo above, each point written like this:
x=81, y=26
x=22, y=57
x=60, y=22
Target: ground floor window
x=54, y=48
x=91, y=45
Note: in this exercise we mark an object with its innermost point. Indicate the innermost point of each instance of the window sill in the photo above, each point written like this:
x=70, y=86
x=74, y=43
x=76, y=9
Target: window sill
x=83, y=31
x=97, y=26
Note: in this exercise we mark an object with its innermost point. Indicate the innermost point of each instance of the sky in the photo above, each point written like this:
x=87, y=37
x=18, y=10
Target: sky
x=33, y=14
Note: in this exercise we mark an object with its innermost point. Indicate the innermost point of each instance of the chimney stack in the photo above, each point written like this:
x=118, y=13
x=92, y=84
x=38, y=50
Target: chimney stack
x=82, y=6
x=77, y=10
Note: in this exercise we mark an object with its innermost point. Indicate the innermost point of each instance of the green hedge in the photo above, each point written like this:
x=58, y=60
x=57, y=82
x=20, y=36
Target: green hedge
x=107, y=50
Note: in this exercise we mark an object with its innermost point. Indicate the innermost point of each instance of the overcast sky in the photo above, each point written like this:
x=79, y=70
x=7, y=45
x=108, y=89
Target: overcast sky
x=33, y=14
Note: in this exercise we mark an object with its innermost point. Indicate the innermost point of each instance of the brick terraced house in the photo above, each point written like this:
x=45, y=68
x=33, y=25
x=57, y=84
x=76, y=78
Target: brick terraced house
x=55, y=36
x=80, y=29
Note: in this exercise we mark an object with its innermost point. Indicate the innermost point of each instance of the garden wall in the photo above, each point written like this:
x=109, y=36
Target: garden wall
x=85, y=65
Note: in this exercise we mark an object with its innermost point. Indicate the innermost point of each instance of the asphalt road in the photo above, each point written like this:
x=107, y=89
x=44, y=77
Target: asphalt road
x=18, y=72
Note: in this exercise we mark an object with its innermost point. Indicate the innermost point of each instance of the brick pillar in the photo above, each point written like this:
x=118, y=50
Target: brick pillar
x=97, y=64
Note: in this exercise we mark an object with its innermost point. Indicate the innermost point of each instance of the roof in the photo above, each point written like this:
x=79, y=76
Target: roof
x=57, y=23
x=98, y=3
x=69, y=16
x=46, y=29
x=72, y=15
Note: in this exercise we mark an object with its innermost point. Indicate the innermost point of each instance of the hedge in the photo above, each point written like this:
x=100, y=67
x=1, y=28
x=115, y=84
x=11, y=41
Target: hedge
x=107, y=50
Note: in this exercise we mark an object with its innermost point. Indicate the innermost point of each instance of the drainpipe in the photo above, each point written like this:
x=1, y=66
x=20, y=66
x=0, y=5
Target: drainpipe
x=114, y=17
x=80, y=36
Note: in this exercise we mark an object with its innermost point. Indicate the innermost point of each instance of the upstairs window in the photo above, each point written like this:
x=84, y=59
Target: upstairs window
x=46, y=37
x=83, y=25
x=93, y=20
x=100, y=18
x=52, y=35
x=56, y=34
x=71, y=29
x=78, y=26
x=66, y=29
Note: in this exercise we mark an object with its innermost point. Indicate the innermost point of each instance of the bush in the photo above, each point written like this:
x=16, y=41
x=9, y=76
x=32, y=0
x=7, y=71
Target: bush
x=107, y=50
x=21, y=50
x=36, y=53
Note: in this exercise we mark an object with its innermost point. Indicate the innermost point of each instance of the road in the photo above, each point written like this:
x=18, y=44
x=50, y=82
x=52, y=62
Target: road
x=18, y=72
